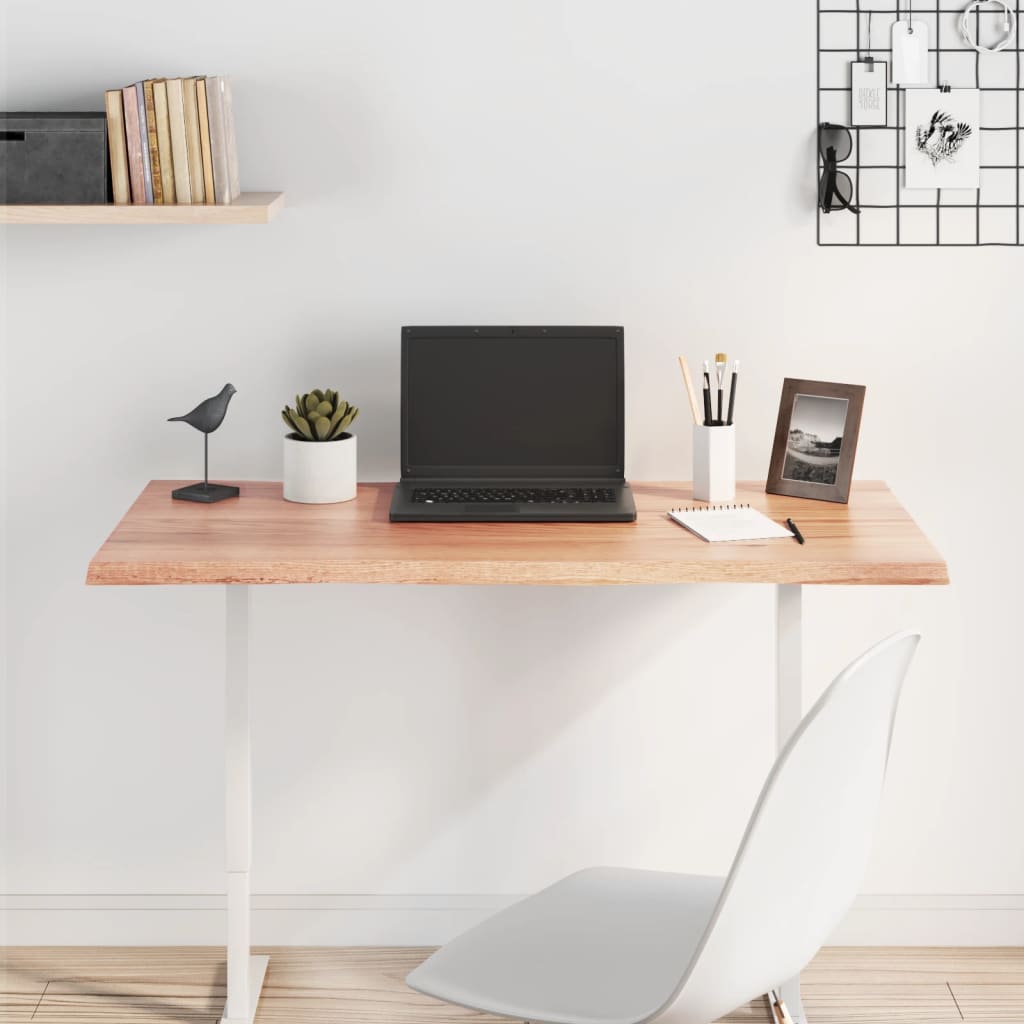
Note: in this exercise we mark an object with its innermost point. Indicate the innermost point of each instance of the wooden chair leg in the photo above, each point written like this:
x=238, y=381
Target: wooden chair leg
x=777, y=1005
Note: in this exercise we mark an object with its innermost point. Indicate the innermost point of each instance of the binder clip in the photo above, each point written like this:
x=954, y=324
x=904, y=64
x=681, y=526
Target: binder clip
x=945, y=87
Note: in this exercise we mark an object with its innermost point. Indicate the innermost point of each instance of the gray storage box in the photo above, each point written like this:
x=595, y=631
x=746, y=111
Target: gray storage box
x=54, y=158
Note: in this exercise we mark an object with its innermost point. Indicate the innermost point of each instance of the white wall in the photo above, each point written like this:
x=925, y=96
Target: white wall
x=649, y=164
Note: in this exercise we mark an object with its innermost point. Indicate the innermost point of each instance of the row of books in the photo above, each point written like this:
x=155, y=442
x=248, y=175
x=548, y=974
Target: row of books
x=172, y=140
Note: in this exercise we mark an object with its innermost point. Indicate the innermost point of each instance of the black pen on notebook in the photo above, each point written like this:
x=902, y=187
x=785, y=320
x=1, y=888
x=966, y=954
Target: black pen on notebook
x=793, y=529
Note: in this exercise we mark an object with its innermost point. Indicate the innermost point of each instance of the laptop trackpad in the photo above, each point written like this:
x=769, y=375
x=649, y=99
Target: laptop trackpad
x=492, y=506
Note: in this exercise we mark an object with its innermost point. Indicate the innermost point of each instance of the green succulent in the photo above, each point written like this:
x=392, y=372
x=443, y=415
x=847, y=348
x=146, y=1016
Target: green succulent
x=319, y=416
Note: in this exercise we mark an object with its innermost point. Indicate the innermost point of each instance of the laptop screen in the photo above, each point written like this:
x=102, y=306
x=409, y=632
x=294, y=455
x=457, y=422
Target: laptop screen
x=512, y=402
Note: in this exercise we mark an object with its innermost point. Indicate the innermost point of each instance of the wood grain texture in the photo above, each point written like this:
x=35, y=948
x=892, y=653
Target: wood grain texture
x=903, y=1002
x=248, y=208
x=19, y=996
x=260, y=538
x=989, y=1002
x=920, y=965
x=90, y=985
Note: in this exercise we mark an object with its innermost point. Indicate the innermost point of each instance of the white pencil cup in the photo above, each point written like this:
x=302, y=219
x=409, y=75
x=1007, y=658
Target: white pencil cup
x=714, y=464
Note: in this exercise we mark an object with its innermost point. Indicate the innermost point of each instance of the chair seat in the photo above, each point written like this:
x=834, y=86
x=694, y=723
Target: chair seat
x=603, y=946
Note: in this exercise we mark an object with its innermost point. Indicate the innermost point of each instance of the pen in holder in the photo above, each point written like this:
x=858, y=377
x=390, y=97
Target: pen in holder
x=714, y=463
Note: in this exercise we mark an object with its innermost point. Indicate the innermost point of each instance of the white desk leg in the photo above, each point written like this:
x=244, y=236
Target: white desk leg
x=789, y=697
x=788, y=712
x=244, y=972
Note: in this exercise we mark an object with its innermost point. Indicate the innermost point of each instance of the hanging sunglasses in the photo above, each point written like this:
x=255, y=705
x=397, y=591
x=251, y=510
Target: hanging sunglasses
x=835, y=190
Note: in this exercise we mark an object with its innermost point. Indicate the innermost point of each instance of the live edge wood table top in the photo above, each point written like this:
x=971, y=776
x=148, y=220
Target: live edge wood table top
x=259, y=538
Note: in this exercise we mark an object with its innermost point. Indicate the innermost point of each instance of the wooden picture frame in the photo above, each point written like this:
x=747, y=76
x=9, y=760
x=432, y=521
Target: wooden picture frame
x=816, y=440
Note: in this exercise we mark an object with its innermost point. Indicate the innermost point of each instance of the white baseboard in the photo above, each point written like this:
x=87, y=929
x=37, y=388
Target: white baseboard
x=329, y=920
x=951, y=920
x=277, y=920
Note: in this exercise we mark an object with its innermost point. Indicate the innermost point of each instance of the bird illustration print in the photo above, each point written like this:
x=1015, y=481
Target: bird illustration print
x=941, y=140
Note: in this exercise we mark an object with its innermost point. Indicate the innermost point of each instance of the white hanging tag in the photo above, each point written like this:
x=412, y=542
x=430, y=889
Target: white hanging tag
x=910, y=53
x=869, y=97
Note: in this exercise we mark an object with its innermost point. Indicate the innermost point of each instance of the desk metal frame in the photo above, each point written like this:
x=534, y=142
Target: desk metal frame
x=245, y=972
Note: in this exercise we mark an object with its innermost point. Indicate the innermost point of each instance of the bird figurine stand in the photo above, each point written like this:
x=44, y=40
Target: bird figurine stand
x=206, y=417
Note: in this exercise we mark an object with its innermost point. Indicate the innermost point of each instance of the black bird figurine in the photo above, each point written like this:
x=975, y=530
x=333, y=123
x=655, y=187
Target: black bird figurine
x=206, y=417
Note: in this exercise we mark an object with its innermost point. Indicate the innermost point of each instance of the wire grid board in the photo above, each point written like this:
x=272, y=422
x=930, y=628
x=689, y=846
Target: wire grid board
x=892, y=214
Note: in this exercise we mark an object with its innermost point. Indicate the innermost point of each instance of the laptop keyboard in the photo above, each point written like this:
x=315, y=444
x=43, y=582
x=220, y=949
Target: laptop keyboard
x=509, y=495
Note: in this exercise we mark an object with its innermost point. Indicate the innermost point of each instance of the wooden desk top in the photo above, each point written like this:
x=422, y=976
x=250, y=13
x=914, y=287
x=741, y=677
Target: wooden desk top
x=260, y=538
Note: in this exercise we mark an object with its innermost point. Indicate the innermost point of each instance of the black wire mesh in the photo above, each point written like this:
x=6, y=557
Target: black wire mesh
x=890, y=213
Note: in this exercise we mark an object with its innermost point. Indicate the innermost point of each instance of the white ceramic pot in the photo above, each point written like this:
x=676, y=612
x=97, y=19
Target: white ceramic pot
x=320, y=472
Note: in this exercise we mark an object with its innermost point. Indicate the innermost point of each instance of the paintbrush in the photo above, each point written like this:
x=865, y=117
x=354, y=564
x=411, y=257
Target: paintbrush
x=721, y=364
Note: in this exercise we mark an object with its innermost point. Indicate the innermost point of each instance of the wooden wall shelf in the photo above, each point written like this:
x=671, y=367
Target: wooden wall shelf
x=248, y=208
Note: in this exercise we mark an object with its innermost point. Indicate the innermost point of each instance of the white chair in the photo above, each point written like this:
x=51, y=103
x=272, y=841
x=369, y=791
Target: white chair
x=619, y=946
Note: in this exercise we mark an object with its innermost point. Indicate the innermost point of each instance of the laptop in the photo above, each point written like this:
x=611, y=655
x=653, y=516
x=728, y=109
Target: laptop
x=512, y=424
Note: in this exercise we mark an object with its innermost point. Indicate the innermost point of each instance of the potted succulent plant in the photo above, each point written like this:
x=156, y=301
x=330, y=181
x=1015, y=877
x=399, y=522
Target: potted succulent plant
x=319, y=453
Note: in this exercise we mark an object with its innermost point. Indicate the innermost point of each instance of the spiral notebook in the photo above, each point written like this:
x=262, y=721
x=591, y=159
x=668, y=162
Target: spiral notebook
x=729, y=523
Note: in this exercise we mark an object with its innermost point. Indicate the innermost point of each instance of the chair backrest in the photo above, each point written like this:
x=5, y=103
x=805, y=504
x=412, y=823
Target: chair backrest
x=803, y=857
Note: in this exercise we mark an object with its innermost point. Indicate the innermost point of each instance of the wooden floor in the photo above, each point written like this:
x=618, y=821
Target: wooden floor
x=365, y=986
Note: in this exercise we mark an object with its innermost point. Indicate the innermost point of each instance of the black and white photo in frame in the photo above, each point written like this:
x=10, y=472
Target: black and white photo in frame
x=943, y=140
x=816, y=440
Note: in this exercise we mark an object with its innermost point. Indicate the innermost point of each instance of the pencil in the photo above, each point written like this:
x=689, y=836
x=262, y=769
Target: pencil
x=690, y=393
